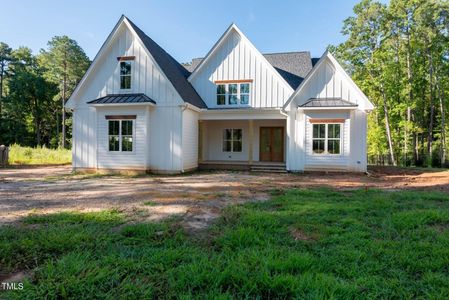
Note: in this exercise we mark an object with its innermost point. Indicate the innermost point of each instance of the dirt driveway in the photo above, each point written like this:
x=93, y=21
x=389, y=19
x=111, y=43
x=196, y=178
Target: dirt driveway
x=197, y=197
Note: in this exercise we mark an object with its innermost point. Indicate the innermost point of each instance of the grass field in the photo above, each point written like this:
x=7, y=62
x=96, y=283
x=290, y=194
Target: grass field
x=19, y=155
x=312, y=244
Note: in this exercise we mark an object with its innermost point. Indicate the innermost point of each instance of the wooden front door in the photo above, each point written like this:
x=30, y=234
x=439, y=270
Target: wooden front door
x=271, y=144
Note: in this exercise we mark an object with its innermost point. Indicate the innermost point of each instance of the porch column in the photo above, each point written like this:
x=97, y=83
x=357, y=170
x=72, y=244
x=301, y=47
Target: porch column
x=250, y=140
x=200, y=140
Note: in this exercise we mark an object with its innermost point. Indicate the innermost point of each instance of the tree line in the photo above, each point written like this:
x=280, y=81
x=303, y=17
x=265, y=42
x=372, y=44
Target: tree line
x=34, y=90
x=398, y=53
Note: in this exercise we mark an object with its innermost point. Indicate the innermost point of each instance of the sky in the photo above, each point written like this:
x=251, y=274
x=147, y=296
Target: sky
x=185, y=29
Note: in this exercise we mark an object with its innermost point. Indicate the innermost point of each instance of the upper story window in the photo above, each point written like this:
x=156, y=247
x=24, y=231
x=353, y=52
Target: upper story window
x=125, y=75
x=233, y=93
x=326, y=139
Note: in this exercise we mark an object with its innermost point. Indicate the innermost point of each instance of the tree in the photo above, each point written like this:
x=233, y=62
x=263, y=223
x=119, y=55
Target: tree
x=65, y=63
x=398, y=54
x=5, y=59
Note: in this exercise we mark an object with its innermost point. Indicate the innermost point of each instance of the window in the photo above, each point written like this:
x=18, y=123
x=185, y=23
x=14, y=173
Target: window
x=233, y=93
x=326, y=138
x=120, y=133
x=221, y=94
x=244, y=93
x=125, y=75
x=232, y=140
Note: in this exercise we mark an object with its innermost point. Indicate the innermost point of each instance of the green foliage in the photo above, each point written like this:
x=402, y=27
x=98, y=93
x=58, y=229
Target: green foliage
x=304, y=243
x=397, y=53
x=30, y=98
x=40, y=155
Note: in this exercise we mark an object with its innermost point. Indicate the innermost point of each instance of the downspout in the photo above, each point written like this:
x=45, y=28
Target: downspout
x=183, y=108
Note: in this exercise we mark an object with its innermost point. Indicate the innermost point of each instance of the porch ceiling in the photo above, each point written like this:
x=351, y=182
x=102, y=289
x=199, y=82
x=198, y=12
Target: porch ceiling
x=242, y=114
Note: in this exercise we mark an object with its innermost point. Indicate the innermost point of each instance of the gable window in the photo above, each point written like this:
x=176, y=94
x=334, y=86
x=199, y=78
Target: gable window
x=125, y=75
x=221, y=94
x=326, y=139
x=232, y=140
x=120, y=135
x=233, y=93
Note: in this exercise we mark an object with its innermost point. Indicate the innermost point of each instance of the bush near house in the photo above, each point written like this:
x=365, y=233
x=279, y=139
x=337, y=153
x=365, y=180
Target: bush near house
x=19, y=155
x=312, y=244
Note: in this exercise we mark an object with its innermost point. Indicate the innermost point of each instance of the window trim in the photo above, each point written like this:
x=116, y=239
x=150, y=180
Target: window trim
x=120, y=120
x=223, y=140
x=326, y=138
x=131, y=62
x=226, y=84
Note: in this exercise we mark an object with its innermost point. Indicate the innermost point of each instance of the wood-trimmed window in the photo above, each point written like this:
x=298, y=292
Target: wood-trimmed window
x=120, y=135
x=233, y=92
x=326, y=138
x=125, y=74
x=232, y=140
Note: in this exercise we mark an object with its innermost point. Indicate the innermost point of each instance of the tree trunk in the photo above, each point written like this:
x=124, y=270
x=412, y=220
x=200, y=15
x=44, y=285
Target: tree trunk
x=432, y=109
x=443, y=125
x=1, y=88
x=64, y=94
x=387, y=126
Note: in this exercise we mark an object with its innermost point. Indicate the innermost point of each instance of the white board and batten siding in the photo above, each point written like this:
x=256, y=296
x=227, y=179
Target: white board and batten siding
x=135, y=159
x=162, y=122
x=327, y=161
x=327, y=81
x=190, y=139
x=235, y=58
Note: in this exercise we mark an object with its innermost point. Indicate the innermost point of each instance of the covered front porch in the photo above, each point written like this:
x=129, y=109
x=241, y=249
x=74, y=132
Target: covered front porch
x=242, y=142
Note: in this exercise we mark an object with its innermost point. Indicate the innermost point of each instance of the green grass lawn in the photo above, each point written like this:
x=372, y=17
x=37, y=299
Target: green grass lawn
x=306, y=244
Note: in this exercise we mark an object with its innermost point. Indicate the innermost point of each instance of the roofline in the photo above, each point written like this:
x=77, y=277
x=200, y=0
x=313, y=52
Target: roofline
x=89, y=70
x=335, y=63
x=124, y=104
x=327, y=108
x=243, y=36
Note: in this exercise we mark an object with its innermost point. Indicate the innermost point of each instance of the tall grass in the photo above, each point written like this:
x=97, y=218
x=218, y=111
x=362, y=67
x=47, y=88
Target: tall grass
x=20, y=155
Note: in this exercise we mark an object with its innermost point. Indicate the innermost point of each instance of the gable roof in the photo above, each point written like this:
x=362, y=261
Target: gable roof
x=123, y=98
x=225, y=35
x=292, y=66
x=174, y=71
x=316, y=65
x=328, y=102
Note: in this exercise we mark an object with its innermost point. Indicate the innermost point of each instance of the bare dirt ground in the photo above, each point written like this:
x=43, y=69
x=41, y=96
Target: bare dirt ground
x=198, y=198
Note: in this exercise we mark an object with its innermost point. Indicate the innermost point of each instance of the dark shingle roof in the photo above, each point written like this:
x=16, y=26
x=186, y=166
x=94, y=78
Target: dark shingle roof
x=292, y=66
x=328, y=102
x=123, y=98
x=176, y=73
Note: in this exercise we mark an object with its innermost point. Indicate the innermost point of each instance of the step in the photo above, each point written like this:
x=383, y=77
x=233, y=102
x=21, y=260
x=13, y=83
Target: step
x=271, y=168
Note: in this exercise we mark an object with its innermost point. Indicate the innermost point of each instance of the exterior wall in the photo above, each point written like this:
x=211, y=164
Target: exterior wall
x=327, y=161
x=236, y=58
x=165, y=146
x=122, y=160
x=213, y=139
x=189, y=139
x=327, y=82
x=84, y=131
x=358, y=159
x=163, y=122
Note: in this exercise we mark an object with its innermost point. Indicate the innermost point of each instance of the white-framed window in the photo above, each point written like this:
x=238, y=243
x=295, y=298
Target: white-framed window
x=326, y=138
x=120, y=135
x=232, y=140
x=125, y=75
x=233, y=94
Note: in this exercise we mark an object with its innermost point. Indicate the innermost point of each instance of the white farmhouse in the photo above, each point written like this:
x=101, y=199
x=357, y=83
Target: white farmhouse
x=138, y=108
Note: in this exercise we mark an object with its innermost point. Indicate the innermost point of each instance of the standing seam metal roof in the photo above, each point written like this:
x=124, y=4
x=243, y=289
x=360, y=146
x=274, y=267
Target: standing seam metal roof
x=123, y=98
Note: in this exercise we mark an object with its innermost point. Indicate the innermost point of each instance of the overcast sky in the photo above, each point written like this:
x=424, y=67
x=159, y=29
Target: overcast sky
x=185, y=29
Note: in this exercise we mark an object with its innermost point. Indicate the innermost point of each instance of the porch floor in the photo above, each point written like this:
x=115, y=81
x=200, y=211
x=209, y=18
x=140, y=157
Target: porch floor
x=242, y=165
